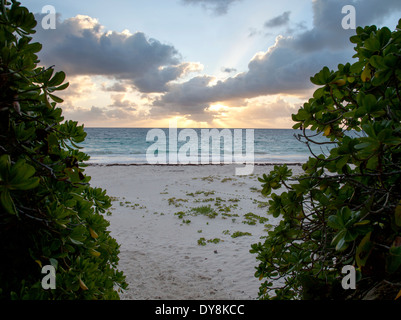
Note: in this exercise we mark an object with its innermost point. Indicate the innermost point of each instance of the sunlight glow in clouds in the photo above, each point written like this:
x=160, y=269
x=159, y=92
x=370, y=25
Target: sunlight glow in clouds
x=206, y=63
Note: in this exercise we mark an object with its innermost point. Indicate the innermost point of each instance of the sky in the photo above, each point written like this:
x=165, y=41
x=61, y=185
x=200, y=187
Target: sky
x=203, y=63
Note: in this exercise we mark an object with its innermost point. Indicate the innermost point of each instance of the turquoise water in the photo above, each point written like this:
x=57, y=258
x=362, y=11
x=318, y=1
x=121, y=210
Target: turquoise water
x=129, y=145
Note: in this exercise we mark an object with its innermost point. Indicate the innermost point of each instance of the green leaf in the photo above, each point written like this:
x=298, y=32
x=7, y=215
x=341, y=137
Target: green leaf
x=7, y=202
x=360, y=112
x=325, y=76
x=390, y=61
x=369, y=129
x=366, y=74
x=53, y=262
x=33, y=47
x=58, y=79
x=44, y=76
x=369, y=102
x=27, y=184
x=342, y=162
x=54, y=221
x=357, y=67
x=380, y=77
x=335, y=222
x=398, y=214
x=373, y=162
x=78, y=233
x=319, y=93
x=384, y=36
x=372, y=44
x=63, y=86
x=339, y=240
x=21, y=171
x=363, y=145
x=55, y=98
x=20, y=176
x=377, y=61
x=363, y=250
x=76, y=242
x=5, y=164
x=393, y=260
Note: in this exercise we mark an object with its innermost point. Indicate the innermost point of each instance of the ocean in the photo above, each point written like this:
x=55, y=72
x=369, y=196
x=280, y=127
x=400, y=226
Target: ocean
x=130, y=145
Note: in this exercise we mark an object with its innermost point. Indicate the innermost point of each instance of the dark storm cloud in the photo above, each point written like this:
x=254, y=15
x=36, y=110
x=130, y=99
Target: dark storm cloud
x=79, y=46
x=278, y=21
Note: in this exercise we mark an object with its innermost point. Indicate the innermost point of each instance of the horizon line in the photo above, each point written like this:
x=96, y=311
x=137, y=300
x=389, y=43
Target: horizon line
x=95, y=127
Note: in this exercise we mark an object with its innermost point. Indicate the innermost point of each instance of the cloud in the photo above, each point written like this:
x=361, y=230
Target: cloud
x=282, y=20
x=103, y=116
x=119, y=101
x=228, y=70
x=81, y=46
x=278, y=21
x=286, y=67
x=116, y=87
x=275, y=113
x=84, y=115
x=254, y=32
x=218, y=7
x=189, y=98
x=281, y=69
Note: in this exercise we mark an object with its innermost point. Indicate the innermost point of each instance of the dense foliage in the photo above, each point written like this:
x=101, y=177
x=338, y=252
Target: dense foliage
x=345, y=208
x=49, y=213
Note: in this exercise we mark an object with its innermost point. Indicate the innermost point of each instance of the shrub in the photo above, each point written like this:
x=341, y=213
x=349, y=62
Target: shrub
x=345, y=209
x=49, y=213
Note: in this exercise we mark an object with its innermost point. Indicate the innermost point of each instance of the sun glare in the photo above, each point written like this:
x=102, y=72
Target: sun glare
x=218, y=107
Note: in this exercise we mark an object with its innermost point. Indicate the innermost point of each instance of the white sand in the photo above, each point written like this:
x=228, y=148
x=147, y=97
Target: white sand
x=160, y=254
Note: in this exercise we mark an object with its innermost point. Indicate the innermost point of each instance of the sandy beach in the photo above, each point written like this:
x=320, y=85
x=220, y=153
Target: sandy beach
x=185, y=231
